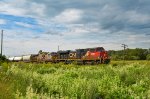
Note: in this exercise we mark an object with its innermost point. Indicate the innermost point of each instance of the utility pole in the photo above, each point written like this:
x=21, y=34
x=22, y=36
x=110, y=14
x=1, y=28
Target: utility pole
x=124, y=47
x=58, y=47
x=2, y=43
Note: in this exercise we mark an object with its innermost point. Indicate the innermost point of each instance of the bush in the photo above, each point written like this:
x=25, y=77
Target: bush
x=3, y=58
x=135, y=58
x=148, y=57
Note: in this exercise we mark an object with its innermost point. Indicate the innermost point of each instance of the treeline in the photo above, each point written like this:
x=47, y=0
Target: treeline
x=130, y=54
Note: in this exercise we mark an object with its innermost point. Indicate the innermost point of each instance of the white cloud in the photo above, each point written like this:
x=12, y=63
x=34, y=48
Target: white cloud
x=76, y=30
x=36, y=10
x=136, y=17
x=24, y=24
x=12, y=8
x=2, y=21
x=68, y=16
x=22, y=8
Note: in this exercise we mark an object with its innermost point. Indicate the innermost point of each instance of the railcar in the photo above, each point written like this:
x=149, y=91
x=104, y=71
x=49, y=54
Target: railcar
x=17, y=58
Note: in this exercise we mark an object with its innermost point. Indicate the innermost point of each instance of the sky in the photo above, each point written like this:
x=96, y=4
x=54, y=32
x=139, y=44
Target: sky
x=33, y=25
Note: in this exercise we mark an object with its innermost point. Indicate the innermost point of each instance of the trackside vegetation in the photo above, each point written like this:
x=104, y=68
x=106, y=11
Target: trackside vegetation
x=3, y=59
x=130, y=54
x=117, y=80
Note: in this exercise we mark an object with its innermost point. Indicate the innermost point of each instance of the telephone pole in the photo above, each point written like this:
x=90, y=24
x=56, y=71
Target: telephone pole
x=2, y=43
x=124, y=47
x=58, y=47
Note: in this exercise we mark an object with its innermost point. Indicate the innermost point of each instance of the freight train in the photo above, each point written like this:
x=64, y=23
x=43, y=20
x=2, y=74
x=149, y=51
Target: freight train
x=96, y=55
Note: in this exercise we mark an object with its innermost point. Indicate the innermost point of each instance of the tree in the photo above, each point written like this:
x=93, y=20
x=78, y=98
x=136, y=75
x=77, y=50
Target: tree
x=130, y=54
x=40, y=51
x=3, y=58
x=148, y=57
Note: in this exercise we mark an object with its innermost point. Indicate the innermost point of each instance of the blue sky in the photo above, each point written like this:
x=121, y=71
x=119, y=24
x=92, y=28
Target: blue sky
x=33, y=25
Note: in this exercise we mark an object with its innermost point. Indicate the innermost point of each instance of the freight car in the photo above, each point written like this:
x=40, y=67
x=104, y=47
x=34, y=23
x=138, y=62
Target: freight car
x=17, y=58
x=96, y=55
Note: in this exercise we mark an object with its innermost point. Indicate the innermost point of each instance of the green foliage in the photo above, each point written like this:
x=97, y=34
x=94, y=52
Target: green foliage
x=148, y=57
x=130, y=54
x=3, y=59
x=118, y=80
x=6, y=91
x=46, y=70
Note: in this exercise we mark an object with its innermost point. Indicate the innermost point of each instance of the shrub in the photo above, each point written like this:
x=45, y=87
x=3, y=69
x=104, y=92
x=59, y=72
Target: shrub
x=148, y=57
x=3, y=58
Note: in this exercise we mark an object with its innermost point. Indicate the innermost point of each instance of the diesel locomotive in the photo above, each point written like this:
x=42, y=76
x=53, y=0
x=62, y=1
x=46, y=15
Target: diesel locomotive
x=96, y=55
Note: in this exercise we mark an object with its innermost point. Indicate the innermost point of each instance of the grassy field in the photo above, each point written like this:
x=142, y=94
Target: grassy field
x=117, y=80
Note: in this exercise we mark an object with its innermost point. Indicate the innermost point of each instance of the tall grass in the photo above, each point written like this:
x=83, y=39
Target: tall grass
x=118, y=80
